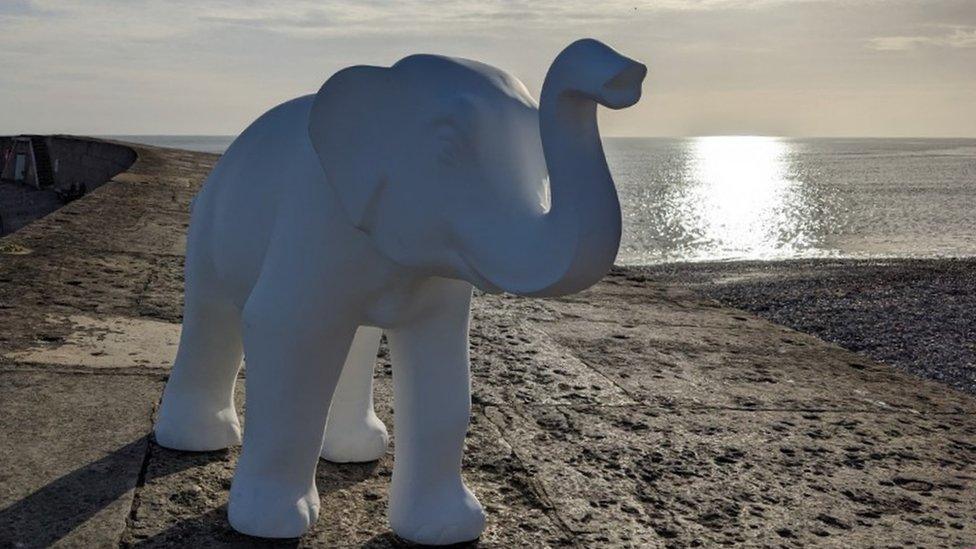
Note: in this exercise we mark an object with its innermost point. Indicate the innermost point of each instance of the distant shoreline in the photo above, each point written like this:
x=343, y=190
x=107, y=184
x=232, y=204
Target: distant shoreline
x=717, y=265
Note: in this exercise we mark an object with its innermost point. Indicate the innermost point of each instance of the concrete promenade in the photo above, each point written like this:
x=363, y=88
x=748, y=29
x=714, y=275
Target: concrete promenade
x=635, y=414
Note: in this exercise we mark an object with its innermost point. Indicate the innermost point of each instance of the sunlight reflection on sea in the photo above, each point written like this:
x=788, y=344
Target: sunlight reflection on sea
x=747, y=197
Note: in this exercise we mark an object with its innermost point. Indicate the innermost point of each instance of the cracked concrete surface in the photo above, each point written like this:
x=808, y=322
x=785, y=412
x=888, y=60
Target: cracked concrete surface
x=634, y=414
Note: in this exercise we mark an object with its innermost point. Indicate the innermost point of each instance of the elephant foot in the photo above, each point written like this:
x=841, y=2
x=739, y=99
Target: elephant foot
x=196, y=428
x=355, y=442
x=268, y=510
x=437, y=517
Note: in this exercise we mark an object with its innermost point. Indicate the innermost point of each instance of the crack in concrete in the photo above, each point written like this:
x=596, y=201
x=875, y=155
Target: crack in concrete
x=41, y=368
x=551, y=509
x=152, y=276
x=134, y=253
x=132, y=515
x=707, y=408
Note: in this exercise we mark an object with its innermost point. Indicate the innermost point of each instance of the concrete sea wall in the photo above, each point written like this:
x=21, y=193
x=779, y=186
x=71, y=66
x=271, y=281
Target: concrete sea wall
x=77, y=166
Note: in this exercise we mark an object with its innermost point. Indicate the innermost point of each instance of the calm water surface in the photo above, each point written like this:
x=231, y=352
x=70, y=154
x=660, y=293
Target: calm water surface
x=724, y=198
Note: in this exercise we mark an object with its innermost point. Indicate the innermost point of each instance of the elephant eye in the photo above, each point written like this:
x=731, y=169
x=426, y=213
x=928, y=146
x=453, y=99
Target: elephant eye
x=452, y=141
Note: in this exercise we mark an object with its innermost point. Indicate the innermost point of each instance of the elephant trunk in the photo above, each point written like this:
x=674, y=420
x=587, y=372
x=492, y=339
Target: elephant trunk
x=573, y=245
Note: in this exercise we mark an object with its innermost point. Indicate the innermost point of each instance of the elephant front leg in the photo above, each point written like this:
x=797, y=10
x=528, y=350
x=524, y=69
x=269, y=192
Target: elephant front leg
x=293, y=365
x=353, y=433
x=429, y=502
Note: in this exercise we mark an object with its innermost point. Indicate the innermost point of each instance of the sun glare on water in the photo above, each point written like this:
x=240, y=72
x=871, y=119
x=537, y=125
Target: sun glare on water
x=742, y=193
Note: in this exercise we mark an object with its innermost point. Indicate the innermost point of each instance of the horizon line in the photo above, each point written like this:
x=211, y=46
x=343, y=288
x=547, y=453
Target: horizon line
x=685, y=136
x=658, y=136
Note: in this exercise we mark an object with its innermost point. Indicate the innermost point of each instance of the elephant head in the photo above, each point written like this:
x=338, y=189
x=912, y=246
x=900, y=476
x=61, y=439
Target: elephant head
x=453, y=169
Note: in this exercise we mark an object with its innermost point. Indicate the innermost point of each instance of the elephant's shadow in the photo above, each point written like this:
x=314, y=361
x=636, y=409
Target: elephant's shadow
x=202, y=525
x=181, y=501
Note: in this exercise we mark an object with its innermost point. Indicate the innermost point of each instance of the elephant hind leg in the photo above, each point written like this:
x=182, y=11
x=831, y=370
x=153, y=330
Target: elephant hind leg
x=197, y=412
x=353, y=433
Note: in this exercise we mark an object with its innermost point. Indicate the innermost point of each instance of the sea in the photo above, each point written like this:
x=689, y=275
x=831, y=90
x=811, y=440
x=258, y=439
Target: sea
x=727, y=198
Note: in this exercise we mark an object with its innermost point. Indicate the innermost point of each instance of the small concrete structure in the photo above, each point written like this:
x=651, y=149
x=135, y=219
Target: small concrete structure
x=634, y=414
x=39, y=174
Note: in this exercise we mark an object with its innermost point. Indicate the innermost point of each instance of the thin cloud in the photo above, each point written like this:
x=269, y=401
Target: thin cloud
x=960, y=37
x=19, y=8
x=311, y=18
x=310, y=21
x=375, y=18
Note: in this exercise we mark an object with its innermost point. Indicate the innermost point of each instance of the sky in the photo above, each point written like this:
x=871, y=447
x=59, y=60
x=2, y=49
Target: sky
x=717, y=67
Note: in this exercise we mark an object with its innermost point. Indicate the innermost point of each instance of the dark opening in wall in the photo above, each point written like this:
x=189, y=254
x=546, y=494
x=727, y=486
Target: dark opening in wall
x=39, y=174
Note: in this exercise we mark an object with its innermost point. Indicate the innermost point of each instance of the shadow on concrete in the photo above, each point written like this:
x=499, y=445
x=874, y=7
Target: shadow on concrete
x=389, y=539
x=331, y=477
x=55, y=510
x=68, y=504
x=210, y=527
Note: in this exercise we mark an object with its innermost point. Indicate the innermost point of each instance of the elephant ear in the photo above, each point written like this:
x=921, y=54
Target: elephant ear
x=349, y=126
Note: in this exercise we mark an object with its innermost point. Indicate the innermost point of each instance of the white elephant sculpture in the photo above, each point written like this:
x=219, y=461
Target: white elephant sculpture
x=374, y=206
